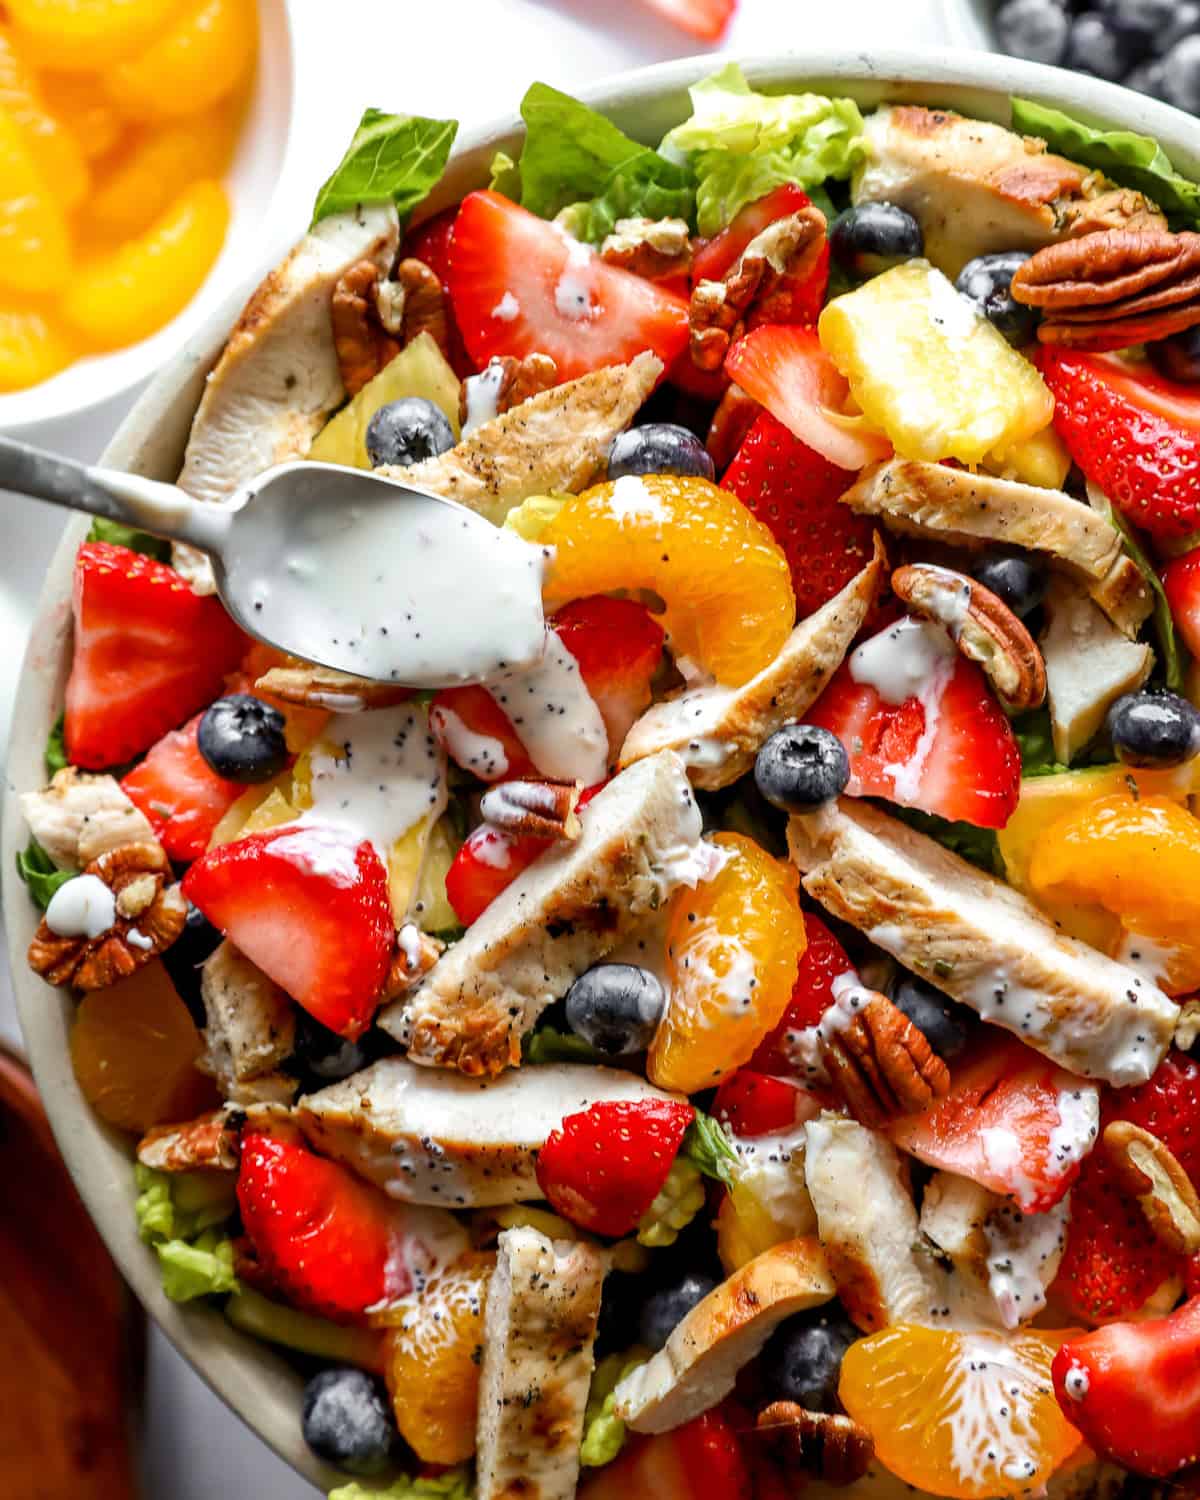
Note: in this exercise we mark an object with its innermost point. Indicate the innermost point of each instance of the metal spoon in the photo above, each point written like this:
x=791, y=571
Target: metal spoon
x=339, y=566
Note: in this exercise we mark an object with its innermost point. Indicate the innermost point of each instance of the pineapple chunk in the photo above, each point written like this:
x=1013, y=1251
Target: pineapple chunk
x=405, y=860
x=1042, y=460
x=531, y=518
x=233, y=821
x=272, y=812
x=431, y=906
x=420, y=369
x=930, y=370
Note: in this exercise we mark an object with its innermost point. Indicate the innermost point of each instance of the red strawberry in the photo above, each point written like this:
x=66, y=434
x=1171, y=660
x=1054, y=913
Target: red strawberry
x=310, y=907
x=1012, y=1121
x=335, y=1244
x=786, y=370
x=603, y=1167
x=948, y=750
x=618, y=646
x=1113, y=1262
x=791, y=301
x=822, y=961
x=752, y=1104
x=1133, y=1390
x=478, y=735
x=148, y=653
x=704, y=19
x=703, y=1457
x=180, y=793
x=430, y=242
x=1181, y=580
x=488, y=862
x=522, y=286
x=1133, y=432
x=791, y=488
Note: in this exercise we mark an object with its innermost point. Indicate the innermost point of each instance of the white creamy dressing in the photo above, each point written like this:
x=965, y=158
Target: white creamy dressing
x=409, y=940
x=427, y=1241
x=137, y=939
x=1078, y=1124
x=1023, y=1252
x=507, y=309
x=992, y=1410
x=482, y=393
x=554, y=715
x=949, y=598
x=1077, y=1383
x=82, y=907
x=803, y=1047
x=956, y=316
x=388, y=773
x=724, y=966
x=481, y=754
x=910, y=659
x=633, y=500
x=1148, y=959
x=492, y=847
x=573, y=290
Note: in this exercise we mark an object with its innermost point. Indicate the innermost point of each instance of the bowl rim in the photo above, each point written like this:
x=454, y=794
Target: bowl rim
x=254, y=1382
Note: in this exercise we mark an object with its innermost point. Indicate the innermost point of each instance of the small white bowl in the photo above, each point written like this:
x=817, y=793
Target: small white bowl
x=257, y=1383
x=253, y=182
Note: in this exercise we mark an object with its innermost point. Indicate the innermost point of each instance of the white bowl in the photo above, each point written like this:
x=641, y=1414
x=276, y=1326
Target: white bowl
x=253, y=1380
x=253, y=181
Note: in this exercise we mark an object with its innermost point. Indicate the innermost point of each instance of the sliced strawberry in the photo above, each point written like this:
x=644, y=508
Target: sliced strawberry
x=603, y=1167
x=1133, y=432
x=310, y=907
x=148, y=653
x=947, y=749
x=1012, y=1121
x=180, y=793
x=1181, y=580
x=1113, y=1262
x=522, y=286
x=703, y=19
x=704, y=1457
x=792, y=300
x=488, y=862
x=332, y=1242
x=822, y=961
x=753, y=1104
x=618, y=646
x=478, y=735
x=430, y=242
x=786, y=370
x=1133, y=1390
x=794, y=490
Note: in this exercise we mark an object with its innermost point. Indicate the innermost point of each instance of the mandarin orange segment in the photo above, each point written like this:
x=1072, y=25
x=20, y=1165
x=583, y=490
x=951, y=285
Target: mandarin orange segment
x=966, y=1415
x=725, y=582
x=199, y=59
x=87, y=35
x=80, y=104
x=35, y=254
x=134, y=1049
x=139, y=185
x=55, y=151
x=733, y=948
x=432, y=1360
x=31, y=347
x=128, y=294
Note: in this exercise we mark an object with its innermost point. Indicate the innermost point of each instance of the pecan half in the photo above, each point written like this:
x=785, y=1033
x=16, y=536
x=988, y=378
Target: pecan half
x=414, y=302
x=209, y=1143
x=362, y=344
x=981, y=625
x=511, y=380
x=543, y=808
x=1114, y=288
x=415, y=954
x=718, y=310
x=829, y=1446
x=310, y=686
x=1148, y=1170
x=148, y=915
x=731, y=421
x=653, y=248
x=879, y=1062
x=1187, y=1028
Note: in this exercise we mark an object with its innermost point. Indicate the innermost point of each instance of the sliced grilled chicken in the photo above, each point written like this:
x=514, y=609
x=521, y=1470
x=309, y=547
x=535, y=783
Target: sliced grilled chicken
x=867, y=1222
x=699, y=1363
x=976, y=188
x=556, y=442
x=577, y=902
x=277, y=379
x=718, y=730
x=974, y=510
x=79, y=817
x=250, y=1028
x=431, y=1136
x=982, y=942
x=1089, y=664
x=539, y=1328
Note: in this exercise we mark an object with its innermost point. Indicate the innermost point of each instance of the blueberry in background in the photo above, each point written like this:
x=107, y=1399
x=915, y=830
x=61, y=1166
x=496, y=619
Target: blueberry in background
x=873, y=237
x=242, y=738
x=803, y=1357
x=659, y=448
x=1033, y=29
x=1181, y=75
x=1139, y=22
x=1094, y=47
x=407, y=432
x=183, y=958
x=1177, y=357
x=347, y=1420
x=987, y=281
x=615, y=1008
x=327, y=1057
x=1154, y=729
x=669, y=1305
x=945, y=1025
x=1014, y=578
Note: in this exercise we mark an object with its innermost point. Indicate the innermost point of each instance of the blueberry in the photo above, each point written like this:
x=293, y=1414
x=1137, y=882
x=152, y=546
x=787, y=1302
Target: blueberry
x=347, y=1420
x=615, y=1007
x=1177, y=357
x=801, y=767
x=1181, y=75
x=1147, y=78
x=1034, y=29
x=1186, y=21
x=668, y=1306
x=1154, y=729
x=1094, y=47
x=407, y=431
x=872, y=237
x=183, y=958
x=1139, y=21
x=1015, y=578
x=803, y=1357
x=945, y=1025
x=242, y=738
x=659, y=448
x=986, y=281
x=327, y=1056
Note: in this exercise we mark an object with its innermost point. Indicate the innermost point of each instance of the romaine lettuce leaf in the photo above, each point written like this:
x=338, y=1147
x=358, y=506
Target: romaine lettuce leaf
x=391, y=159
x=1135, y=161
x=978, y=846
x=740, y=144
x=603, y=1430
x=40, y=874
x=709, y=1149
x=180, y=1214
x=453, y=1485
x=575, y=158
x=120, y=535
x=1036, y=743
x=549, y=1045
x=202, y=1267
x=56, y=746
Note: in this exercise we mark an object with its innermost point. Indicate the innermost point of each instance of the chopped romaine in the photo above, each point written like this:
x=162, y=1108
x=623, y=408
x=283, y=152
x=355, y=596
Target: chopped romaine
x=677, y=1203
x=603, y=1430
x=120, y=535
x=201, y=1268
x=38, y=871
x=709, y=1149
x=455, y=1484
x=549, y=1045
x=56, y=747
x=392, y=159
x=181, y=1205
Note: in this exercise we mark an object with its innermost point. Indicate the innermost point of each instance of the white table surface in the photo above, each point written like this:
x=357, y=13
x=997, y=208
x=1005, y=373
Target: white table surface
x=471, y=59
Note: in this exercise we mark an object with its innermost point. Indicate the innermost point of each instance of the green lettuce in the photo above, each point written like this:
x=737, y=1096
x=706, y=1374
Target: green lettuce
x=1174, y=657
x=741, y=144
x=277, y=1323
x=180, y=1215
x=1134, y=161
x=603, y=1430
x=56, y=746
x=120, y=535
x=549, y=1045
x=454, y=1485
x=202, y=1267
x=40, y=874
x=576, y=159
x=504, y=176
x=978, y=846
x=391, y=159
x=1036, y=743
x=709, y=1149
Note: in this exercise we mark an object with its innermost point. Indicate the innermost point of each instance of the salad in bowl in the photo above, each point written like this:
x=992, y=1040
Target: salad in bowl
x=749, y=1049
